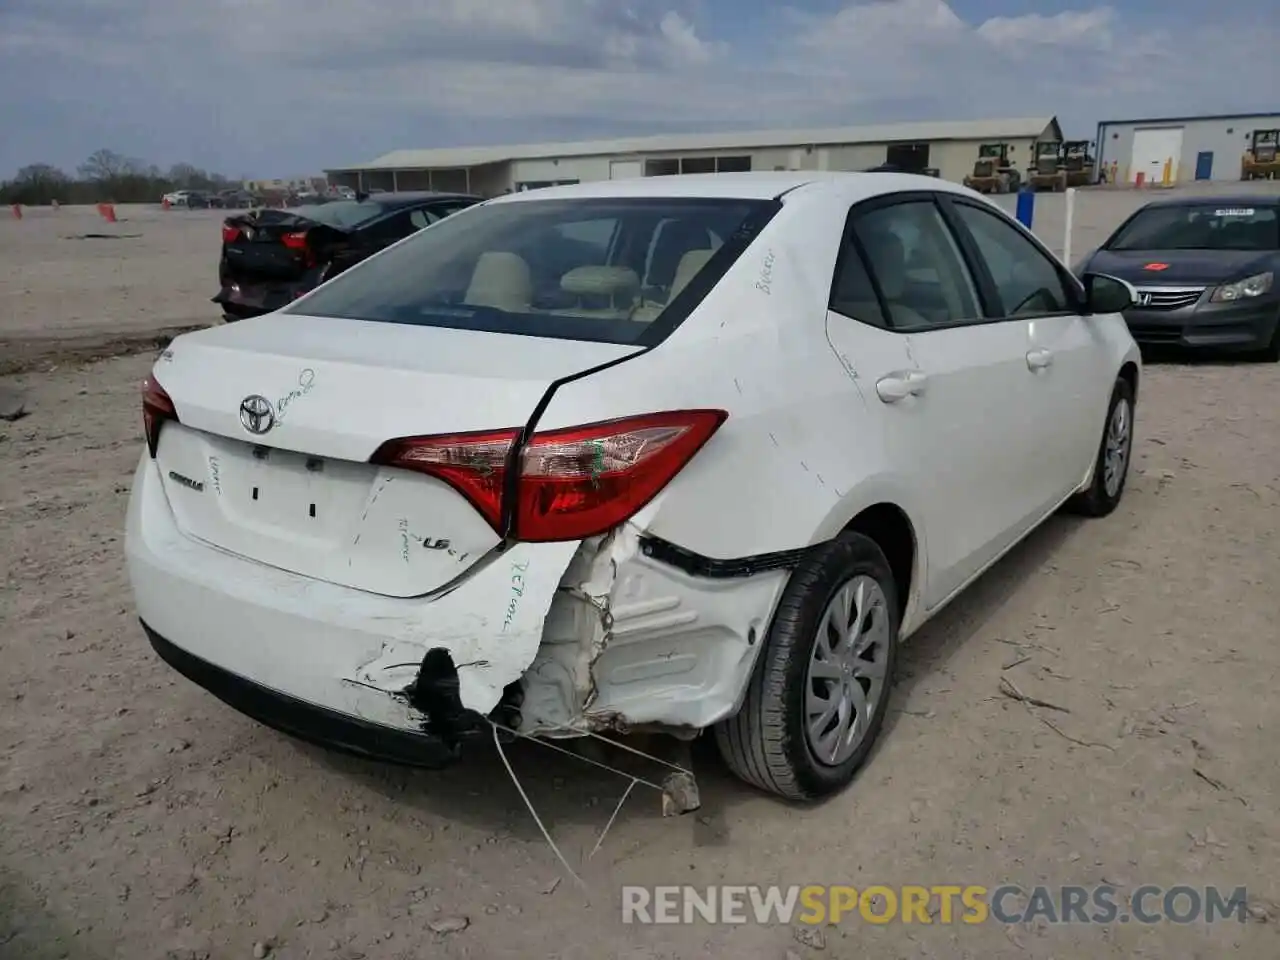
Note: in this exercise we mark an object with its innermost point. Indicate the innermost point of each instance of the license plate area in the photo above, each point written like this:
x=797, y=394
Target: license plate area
x=386, y=531
x=286, y=490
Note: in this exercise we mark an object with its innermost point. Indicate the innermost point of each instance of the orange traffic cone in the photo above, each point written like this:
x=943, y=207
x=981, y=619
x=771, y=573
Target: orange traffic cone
x=108, y=211
x=164, y=203
x=17, y=211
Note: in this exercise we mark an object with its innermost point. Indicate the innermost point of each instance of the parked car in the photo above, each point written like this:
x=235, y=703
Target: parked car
x=271, y=257
x=237, y=199
x=177, y=198
x=200, y=200
x=1205, y=269
x=682, y=454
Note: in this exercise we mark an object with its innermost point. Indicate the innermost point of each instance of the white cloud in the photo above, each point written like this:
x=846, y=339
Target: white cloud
x=1070, y=28
x=332, y=83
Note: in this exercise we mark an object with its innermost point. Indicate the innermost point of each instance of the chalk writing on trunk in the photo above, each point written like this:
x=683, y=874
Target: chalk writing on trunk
x=306, y=380
x=215, y=475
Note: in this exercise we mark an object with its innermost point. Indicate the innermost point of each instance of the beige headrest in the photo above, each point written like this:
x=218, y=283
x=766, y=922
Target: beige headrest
x=600, y=281
x=690, y=264
x=501, y=280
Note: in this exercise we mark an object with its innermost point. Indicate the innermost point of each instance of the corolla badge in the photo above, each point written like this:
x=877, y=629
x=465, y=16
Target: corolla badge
x=257, y=414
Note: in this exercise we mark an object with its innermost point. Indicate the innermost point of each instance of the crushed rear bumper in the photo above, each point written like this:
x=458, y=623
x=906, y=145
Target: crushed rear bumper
x=241, y=301
x=314, y=723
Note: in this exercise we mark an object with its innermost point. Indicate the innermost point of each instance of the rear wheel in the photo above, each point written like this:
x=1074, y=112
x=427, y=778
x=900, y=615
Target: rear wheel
x=817, y=698
x=1111, y=469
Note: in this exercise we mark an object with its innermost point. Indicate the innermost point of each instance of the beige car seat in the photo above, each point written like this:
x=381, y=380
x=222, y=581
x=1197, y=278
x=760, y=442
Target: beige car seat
x=690, y=264
x=889, y=263
x=502, y=281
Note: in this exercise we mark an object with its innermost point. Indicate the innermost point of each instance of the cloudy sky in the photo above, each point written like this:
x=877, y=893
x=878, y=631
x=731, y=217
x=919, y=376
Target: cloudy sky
x=286, y=87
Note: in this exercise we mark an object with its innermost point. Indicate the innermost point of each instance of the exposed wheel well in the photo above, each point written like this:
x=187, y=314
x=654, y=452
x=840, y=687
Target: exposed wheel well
x=1129, y=372
x=889, y=527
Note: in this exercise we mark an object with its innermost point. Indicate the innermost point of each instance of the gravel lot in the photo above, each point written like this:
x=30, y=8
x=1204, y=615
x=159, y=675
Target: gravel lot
x=143, y=819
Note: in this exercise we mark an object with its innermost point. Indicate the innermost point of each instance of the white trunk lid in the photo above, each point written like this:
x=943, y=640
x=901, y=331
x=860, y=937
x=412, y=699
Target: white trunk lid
x=302, y=496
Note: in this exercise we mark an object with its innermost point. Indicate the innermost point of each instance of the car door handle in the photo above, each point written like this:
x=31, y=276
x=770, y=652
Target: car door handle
x=899, y=386
x=1039, y=359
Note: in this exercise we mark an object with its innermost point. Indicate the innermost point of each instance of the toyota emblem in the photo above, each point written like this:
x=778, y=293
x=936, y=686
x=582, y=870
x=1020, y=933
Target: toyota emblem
x=257, y=414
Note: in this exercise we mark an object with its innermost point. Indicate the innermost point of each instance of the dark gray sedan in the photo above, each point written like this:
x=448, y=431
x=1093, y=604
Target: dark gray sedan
x=1205, y=269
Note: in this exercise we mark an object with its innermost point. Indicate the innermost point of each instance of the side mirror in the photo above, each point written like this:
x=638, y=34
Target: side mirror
x=1107, y=294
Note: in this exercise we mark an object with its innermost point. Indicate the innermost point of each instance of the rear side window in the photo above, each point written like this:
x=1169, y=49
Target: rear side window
x=396, y=226
x=920, y=272
x=601, y=269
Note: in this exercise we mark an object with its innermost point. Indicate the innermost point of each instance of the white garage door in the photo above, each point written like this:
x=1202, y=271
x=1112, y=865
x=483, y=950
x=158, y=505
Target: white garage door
x=1152, y=147
x=625, y=169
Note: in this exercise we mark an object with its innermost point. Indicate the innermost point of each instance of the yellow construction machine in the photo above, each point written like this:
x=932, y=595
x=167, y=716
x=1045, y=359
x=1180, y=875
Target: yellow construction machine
x=992, y=171
x=1048, y=170
x=1260, y=161
x=1077, y=161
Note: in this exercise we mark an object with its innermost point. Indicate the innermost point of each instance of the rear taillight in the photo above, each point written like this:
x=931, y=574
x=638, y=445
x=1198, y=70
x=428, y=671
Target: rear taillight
x=157, y=407
x=574, y=483
x=230, y=234
x=298, y=241
x=473, y=463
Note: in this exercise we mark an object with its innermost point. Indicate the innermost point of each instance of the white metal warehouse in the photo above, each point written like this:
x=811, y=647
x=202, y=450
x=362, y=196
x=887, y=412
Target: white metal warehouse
x=1192, y=148
x=949, y=148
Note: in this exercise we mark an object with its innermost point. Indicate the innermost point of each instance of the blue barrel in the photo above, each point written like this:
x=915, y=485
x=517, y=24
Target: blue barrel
x=1026, y=206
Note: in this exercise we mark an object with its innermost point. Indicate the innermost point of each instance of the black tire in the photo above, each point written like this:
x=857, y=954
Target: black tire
x=1271, y=352
x=1095, y=501
x=765, y=743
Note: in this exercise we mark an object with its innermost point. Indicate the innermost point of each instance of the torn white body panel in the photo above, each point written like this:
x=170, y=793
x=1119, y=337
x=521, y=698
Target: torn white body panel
x=348, y=650
x=630, y=642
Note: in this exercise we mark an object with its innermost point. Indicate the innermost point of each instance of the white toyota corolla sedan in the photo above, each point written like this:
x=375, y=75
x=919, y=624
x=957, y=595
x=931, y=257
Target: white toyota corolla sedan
x=657, y=455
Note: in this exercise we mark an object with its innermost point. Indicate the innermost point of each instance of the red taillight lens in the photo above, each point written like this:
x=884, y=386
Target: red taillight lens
x=230, y=234
x=574, y=483
x=473, y=463
x=157, y=407
x=298, y=241
x=584, y=481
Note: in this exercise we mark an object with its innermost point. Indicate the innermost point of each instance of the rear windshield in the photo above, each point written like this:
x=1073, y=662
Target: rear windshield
x=601, y=269
x=342, y=214
x=1204, y=226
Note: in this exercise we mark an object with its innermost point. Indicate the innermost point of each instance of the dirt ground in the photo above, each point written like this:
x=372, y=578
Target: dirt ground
x=64, y=290
x=143, y=819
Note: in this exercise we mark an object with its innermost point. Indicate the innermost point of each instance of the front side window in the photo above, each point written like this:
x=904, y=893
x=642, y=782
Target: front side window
x=580, y=269
x=1026, y=280
x=921, y=275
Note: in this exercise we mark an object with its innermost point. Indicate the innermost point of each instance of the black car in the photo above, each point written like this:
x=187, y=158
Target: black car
x=1205, y=269
x=271, y=257
x=236, y=200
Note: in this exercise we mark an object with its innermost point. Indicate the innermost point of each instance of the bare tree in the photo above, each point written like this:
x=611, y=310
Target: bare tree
x=104, y=165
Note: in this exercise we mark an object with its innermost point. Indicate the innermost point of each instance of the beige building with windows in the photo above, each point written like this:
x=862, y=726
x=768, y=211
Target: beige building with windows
x=947, y=149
